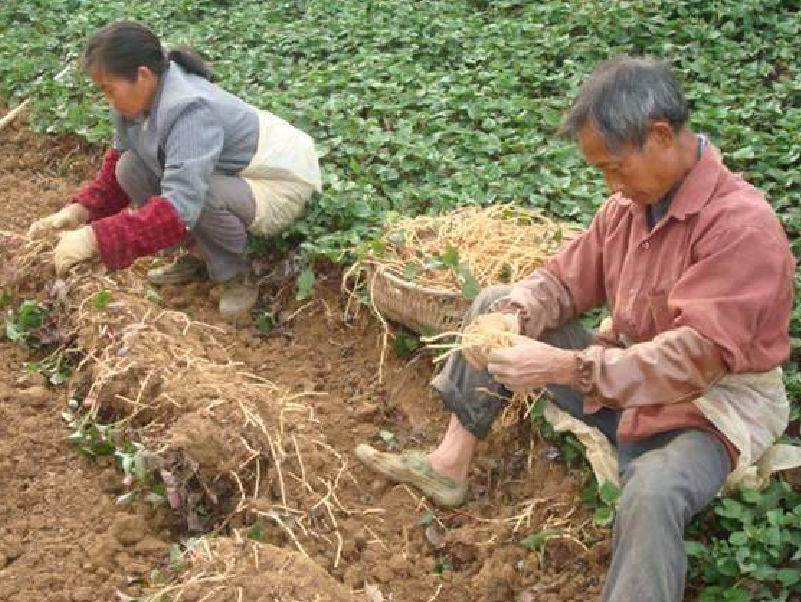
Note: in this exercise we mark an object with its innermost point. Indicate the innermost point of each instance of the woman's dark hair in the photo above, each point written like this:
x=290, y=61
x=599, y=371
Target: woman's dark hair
x=121, y=47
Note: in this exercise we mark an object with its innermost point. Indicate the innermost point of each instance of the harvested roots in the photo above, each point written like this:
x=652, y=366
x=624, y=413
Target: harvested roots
x=498, y=244
x=485, y=333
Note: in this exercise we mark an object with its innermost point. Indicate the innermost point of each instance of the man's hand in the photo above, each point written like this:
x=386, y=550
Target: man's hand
x=69, y=217
x=530, y=364
x=475, y=352
x=74, y=247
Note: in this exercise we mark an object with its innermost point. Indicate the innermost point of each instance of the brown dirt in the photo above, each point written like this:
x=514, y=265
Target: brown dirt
x=232, y=569
x=62, y=537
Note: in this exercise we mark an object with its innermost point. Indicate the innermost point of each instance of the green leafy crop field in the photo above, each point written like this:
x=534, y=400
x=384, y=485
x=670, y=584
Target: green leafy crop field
x=420, y=107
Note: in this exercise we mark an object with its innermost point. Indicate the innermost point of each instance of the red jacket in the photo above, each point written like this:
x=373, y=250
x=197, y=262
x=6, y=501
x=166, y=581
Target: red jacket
x=708, y=291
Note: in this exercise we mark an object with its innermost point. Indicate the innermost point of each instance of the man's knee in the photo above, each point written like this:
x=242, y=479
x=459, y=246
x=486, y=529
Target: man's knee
x=488, y=296
x=653, y=494
x=571, y=335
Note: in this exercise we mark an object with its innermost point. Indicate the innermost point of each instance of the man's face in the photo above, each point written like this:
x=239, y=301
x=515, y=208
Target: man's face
x=642, y=175
x=130, y=99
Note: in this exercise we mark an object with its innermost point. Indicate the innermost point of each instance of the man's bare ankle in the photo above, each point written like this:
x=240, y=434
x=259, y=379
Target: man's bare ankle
x=446, y=468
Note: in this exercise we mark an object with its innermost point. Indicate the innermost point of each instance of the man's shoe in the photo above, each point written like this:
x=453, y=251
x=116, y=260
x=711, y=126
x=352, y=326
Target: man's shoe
x=414, y=468
x=239, y=295
x=183, y=270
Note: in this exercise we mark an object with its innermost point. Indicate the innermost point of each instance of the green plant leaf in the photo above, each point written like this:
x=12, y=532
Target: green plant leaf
x=305, y=284
x=102, y=299
x=470, y=286
x=258, y=531
x=426, y=519
x=603, y=517
x=736, y=594
x=536, y=541
x=443, y=563
x=378, y=248
x=789, y=577
x=537, y=410
x=406, y=344
x=13, y=332
x=450, y=257
x=140, y=467
x=738, y=538
x=694, y=548
x=730, y=508
x=265, y=322
x=410, y=271
x=60, y=377
x=743, y=153
x=30, y=317
x=609, y=493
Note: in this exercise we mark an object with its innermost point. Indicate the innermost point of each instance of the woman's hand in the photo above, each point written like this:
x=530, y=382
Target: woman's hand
x=68, y=218
x=74, y=247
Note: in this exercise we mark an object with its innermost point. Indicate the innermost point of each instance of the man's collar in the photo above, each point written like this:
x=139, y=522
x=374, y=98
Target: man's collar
x=698, y=186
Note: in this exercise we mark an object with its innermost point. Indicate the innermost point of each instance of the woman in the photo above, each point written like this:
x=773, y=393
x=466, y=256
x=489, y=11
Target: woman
x=201, y=166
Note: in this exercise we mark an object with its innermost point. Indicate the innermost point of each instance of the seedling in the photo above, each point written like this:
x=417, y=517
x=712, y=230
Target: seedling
x=406, y=344
x=102, y=299
x=32, y=325
x=388, y=438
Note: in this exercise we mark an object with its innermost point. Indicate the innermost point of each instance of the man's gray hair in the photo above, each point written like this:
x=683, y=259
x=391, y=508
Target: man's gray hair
x=623, y=96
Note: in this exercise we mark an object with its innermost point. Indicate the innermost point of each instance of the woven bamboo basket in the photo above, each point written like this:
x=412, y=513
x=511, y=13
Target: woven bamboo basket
x=423, y=310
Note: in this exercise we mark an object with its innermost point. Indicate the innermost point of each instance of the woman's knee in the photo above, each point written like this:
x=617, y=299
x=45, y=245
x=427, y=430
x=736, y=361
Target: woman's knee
x=233, y=195
x=123, y=170
x=135, y=178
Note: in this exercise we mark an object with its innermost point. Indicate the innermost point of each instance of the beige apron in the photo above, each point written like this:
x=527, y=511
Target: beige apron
x=282, y=175
x=751, y=410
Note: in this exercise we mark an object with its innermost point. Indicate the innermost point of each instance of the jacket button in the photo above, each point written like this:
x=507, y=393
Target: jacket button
x=645, y=246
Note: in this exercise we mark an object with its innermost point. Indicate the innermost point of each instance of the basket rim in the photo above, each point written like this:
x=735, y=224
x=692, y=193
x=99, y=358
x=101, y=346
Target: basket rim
x=382, y=270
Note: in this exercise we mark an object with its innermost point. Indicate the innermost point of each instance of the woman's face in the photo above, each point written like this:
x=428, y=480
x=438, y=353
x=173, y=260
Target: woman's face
x=130, y=99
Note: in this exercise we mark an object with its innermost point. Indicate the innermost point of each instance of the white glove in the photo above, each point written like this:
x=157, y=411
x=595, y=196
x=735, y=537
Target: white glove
x=495, y=323
x=69, y=217
x=74, y=247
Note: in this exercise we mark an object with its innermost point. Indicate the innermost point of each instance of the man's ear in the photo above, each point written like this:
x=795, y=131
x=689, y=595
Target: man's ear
x=661, y=133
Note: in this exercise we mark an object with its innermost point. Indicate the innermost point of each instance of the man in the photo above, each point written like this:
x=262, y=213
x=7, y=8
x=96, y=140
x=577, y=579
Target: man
x=697, y=273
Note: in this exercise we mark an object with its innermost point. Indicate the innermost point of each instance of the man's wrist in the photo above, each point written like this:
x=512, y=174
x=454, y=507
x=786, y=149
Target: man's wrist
x=565, y=367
